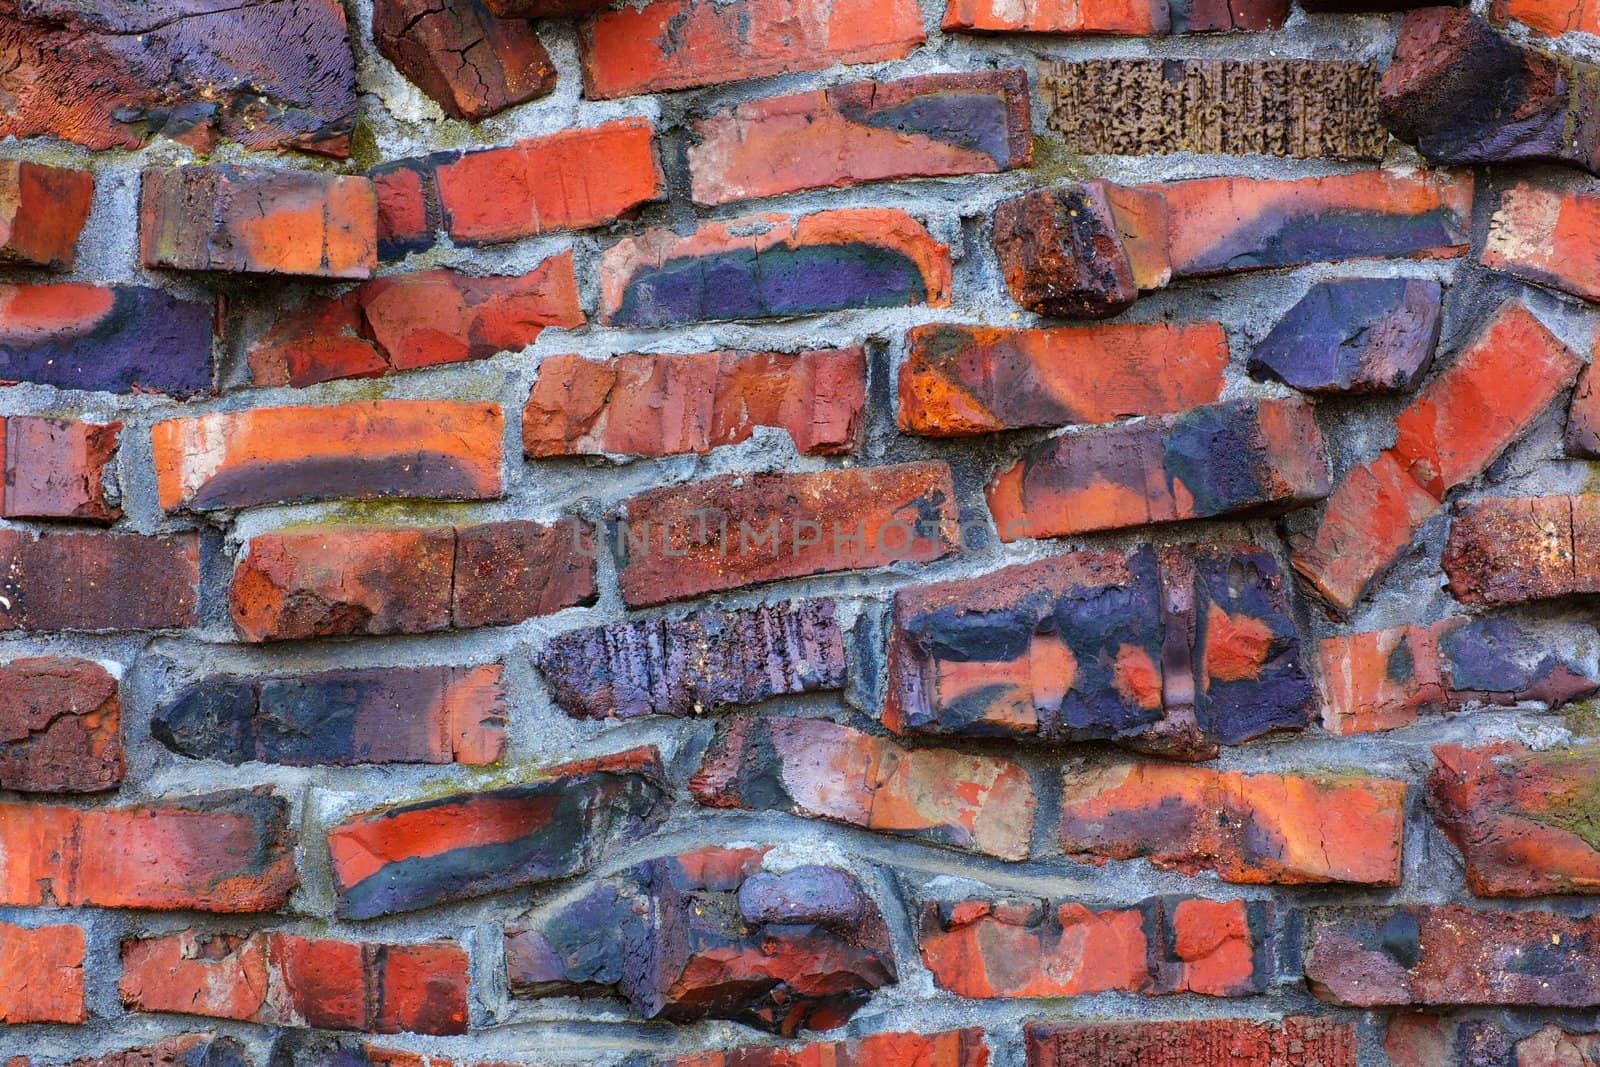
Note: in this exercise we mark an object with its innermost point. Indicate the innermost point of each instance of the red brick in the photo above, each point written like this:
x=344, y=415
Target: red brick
x=661, y=405
x=1545, y=235
x=1507, y=550
x=740, y=529
x=960, y=380
x=58, y=468
x=676, y=44
x=1252, y=829
x=1504, y=376
x=1554, y=1047
x=1022, y=947
x=1222, y=459
x=1552, y=16
x=224, y=218
x=418, y=449
x=42, y=211
x=953, y=1048
x=567, y=181
x=44, y=975
x=545, y=9
x=188, y=1050
x=408, y=206
x=925, y=127
x=285, y=980
x=1297, y=1041
x=770, y=266
x=469, y=62
x=1123, y=17
x=98, y=581
x=406, y=321
x=820, y=770
x=1583, y=418
x=60, y=726
x=1221, y=16
x=226, y=852
x=508, y=572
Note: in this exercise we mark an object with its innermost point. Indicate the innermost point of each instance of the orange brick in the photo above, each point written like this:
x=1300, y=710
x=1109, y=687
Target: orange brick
x=44, y=975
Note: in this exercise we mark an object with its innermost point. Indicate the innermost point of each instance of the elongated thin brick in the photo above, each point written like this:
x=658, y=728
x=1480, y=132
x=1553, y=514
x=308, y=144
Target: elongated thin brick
x=98, y=581
x=960, y=380
x=44, y=975
x=1544, y=235
x=1506, y=550
x=952, y=1048
x=58, y=468
x=649, y=405
x=42, y=211
x=1583, y=418
x=1135, y=18
x=1296, y=1041
x=225, y=852
x=60, y=726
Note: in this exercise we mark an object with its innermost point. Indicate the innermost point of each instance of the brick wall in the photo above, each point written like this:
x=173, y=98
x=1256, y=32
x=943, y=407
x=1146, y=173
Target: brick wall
x=799, y=533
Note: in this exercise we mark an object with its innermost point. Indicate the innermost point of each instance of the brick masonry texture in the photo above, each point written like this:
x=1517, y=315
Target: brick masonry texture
x=799, y=533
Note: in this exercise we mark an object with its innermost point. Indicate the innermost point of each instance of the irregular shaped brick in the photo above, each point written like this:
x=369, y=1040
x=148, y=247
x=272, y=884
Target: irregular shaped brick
x=924, y=127
x=1353, y=335
x=820, y=770
x=1038, y=948
x=406, y=321
x=1551, y=16
x=1555, y=1047
x=427, y=449
x=770, y=266
x=98, y=581
x=1303, y=108
x=953, y=1048
x=284, y=980
x=265, y=73
x=1505, y=550
x=224, y=852
x=44, y=975
x=1232, y=224
x=384, y=715
x=1297, y=1041
x=1122, y=17
x=676, y=44
x=1172, y=651
x=1222, y=459
x=224, y=218
x=58, y=469
x=60, y=726
x=697, y=663
x=570, y=180
x=1583, y=419
x=469, y=62
x=740, y=529
x=662, y=405
x=960, y=380
x=473, y=844
x=1389, y=678
x=1082, y=251
x=1544, y=235
x=1464, y=94
x=1504, y=376
x=42, y=211
x=508, y=572
x=1520, y=818
x=1446, y=955
x=710, y=934
x=189, y=1050
x=119, y=338
x=1252, y=829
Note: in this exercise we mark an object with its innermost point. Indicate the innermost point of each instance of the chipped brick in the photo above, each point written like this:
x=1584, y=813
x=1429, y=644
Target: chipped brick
x=1546, y=236
x=60, y=726
x=42, y=211
x=1123, y=17
x=58, y=468
x=467, y=61
x=1353, y=335
x=1505, y=550
x=953, y=1048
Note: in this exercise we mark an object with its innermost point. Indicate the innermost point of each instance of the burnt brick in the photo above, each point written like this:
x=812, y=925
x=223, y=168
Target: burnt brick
x=188, y=1050
x=512, y=571
x=98, y=581
x=1296, y=1041
x=952, y=1048
x=60, y=726
x=1543, y=235
x=42, y=210
x=469, y=62
x=1583, y=419
x=1505, y=550
x=1353, y=335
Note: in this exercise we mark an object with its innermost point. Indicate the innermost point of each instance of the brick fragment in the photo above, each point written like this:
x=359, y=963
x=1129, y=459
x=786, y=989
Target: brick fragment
x=1022, y=947
x=1173, y=651
x=741, y=529
x=1354, y=335
x=1555, y=1047
x=1464, y=94
x=98, y=581
x=60, y=726
x=286, y=980
x=427, y=449
x=58, y=469
x=661, y=405
x=710, y=934
x=508, y=572
x=960, y=380
x=1221, y=459
x=267, y=74
x=44, y=975
x=1504, y=376
x=1124, y=17
x=224, y=852
x=188, y=1050
x=1440, y=955
x=118, y=338
x=768, y=266
x=456, y=847
x=820, y=770
x=1301, y=108
x=1551, y=16
x=545, y=9
x=1296, y=1041
x=1546, y=236
x=1506, y=550
x=953, y=1048
x=42, y=211
x=467, y=61
x=380, y=715
x=224, y=218
x=406, y=321
x=1251, y=829
x=1224, y=16
x=697, y=663
x=924, y=127
x=677, y=44
x=1582, y=438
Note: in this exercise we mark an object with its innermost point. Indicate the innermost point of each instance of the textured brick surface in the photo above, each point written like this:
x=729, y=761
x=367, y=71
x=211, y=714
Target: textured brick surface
x=1545, y=236
x=471, y=63
x=1295, y=1042
x=1504, y=550
x=59, y=469
x=44, y=969
x=1354, y=335
x=60, y=726
x=954, y=1048
x=42, y=211
x=98, y=581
